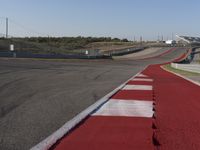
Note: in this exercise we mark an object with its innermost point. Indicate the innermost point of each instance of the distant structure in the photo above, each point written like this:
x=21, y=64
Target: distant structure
x=170, y=42
x=188, y=40
x=2, y=35
x=6, y=27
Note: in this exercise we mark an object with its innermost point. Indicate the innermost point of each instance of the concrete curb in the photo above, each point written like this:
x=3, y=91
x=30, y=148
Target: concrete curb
x=189, y=67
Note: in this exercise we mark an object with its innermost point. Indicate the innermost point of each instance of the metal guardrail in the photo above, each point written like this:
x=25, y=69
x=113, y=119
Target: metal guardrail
x=84, y=54
x=17, y=54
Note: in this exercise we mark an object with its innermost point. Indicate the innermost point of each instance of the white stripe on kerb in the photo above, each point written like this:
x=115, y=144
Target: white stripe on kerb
x=126, y=108
x=138, y=87
x=142, y=75
x=142, y=79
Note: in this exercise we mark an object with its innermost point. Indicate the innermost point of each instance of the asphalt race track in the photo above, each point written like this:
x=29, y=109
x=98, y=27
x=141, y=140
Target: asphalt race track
x=37, y=97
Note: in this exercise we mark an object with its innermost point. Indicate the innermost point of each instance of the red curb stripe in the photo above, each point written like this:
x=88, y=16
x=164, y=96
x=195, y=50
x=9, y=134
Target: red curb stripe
x=139, y=83
x=138, y=95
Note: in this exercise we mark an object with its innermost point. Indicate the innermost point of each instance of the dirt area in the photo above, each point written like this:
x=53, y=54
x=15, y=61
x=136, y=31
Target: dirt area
x=109, y=46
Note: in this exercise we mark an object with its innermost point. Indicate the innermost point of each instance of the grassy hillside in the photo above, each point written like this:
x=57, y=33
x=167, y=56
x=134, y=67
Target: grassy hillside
x=66, y=45
x=61, y=45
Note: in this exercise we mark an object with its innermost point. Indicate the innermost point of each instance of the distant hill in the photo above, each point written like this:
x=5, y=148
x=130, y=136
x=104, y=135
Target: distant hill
x=66, y=45
x=59, y=44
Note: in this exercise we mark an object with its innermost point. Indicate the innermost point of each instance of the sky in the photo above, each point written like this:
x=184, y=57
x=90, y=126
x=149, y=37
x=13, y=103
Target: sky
x=109, y=18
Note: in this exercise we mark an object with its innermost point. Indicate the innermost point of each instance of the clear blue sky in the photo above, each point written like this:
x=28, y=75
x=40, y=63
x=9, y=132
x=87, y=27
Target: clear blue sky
x=115, y=18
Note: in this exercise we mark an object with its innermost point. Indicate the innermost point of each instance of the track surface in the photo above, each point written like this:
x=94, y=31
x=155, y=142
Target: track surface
x=146, y=53
x=38, y=97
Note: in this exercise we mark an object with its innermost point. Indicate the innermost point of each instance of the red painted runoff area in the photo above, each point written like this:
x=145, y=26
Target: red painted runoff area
x=136, y=94
x=110, y=133
x=143, y=77
x=139, y=83
x=177, y=110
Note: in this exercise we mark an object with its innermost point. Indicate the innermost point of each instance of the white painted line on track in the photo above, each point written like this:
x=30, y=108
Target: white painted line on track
x=126, y=108
x=141, y=75
x=138, y=87
x=142, y=79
